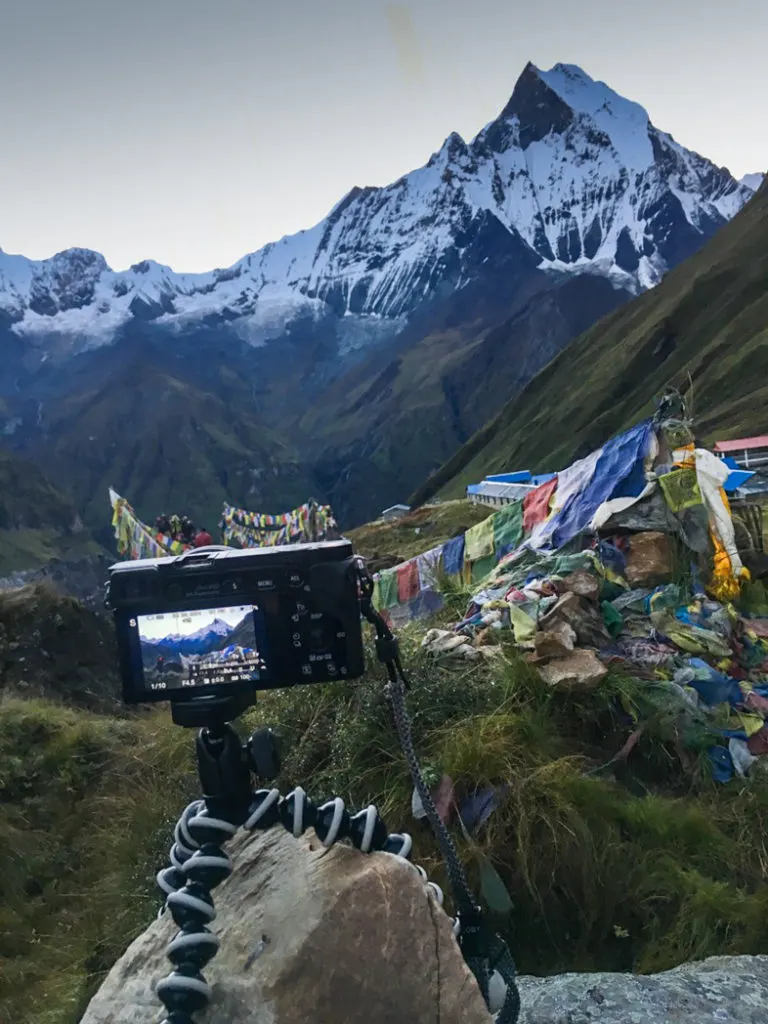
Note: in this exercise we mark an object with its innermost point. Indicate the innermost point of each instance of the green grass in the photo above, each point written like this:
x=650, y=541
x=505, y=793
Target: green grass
x=88, y=805
x=611, y=864
x=417, y=532
x=702, y=329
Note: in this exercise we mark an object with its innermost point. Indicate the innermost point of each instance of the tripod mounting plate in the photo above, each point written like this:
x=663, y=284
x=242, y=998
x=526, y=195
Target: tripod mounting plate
x=213, y=711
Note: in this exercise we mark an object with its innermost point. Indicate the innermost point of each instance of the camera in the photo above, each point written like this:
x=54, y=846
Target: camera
x=215, y=622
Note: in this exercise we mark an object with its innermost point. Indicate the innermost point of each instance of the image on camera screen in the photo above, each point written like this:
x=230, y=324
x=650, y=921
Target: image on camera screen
x=203, y=647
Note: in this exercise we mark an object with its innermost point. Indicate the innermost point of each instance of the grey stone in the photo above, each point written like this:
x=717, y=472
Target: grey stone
x=579, y=669
x=720, y=990
x=309, y=935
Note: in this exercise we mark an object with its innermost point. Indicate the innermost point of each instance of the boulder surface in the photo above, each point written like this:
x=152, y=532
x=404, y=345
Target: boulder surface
x=309, y=934
x=721, y=990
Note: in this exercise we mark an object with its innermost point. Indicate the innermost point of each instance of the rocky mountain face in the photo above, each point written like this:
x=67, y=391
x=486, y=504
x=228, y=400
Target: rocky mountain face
x=352, y=358
x=703, y=330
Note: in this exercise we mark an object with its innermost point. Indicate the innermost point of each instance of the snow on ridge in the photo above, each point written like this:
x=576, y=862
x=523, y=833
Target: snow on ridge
x=568, y=195
x=625, y=122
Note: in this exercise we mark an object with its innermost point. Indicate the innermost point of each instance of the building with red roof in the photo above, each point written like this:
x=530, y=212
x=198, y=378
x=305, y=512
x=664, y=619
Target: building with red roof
x=747, y=452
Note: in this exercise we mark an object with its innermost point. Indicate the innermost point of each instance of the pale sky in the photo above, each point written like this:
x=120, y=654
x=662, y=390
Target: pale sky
x=194, y=132
x=182, y=623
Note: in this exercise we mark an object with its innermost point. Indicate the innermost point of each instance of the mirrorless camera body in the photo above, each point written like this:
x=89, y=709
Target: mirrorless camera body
x=221, y=621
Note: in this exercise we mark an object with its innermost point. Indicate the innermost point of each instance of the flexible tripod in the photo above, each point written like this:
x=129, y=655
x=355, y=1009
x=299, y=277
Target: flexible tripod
x=199, y=863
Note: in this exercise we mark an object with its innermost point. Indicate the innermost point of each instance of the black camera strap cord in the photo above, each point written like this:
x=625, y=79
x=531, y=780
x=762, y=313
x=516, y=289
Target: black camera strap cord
x=483, y=950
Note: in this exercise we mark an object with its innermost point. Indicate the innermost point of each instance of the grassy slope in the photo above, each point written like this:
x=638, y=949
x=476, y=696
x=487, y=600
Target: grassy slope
x=52, y=647
x=36, y=519
x=168, y=445
x=707, y=320
x=417, y=532
x=88, y=804
x=600, y=877
x=87, y=795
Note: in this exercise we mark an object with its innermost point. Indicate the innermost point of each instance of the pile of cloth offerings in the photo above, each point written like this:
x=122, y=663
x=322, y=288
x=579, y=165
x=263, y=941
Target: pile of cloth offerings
x=575, y=615
x=626, y=558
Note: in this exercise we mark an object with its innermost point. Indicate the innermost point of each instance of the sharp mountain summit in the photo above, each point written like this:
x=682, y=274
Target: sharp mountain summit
x=352, y=359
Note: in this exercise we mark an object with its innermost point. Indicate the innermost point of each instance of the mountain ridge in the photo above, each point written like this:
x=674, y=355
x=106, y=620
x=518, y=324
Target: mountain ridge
x=497, y=173
x=703, y=329
x=352, y=359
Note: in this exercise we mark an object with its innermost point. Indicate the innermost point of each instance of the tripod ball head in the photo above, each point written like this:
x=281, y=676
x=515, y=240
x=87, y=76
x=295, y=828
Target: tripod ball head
x=263, y=751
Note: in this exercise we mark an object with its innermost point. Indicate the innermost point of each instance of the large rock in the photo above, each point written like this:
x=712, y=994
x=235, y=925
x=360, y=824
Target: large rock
x=721, y=990
x=580, y=669
x=556, y=643
x=650, y=560
x=583, y=583
x=309, y=935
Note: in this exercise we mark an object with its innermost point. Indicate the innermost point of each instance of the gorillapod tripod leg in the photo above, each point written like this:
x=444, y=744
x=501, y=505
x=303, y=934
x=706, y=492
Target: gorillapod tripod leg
x=200, y=862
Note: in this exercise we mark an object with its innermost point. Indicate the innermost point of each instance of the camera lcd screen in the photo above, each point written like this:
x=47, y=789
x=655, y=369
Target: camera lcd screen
x=202, y=647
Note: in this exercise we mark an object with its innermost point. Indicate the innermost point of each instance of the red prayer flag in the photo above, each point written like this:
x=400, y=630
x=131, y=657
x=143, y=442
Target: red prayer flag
x=536, y=504
x=407, y=581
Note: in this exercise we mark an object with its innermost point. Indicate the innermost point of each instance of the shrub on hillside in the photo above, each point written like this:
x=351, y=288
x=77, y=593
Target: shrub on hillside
x=612, y=863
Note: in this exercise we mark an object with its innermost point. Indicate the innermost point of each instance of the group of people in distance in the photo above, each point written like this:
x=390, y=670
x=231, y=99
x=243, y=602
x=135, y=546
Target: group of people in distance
x=182, y=529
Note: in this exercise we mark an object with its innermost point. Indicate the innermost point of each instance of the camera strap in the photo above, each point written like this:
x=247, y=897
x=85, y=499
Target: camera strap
x=483, y=949
x=199, y=862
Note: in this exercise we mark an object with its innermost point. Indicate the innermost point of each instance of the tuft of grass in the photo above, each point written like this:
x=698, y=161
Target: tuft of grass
x=612, y=862
x=422, y=529
x=88, y=807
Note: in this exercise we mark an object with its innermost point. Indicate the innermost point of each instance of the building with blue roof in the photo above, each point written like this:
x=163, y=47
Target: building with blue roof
x=503, y=488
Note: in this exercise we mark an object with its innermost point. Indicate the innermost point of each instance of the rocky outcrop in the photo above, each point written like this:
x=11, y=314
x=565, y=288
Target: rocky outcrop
x=54, y=648
x=337, y=937
x=309, y=935
x=82, y=578
x=732, y=990
x=581, y=669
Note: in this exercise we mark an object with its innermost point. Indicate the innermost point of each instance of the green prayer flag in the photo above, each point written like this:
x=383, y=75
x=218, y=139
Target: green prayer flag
x=388, y=589
x=508, y=527
x=483, y=568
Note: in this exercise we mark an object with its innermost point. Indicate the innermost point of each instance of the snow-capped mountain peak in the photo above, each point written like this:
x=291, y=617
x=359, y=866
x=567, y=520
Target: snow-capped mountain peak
x=623, y=121
x=570, y=177
x=595, y=185
x=216, y=628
